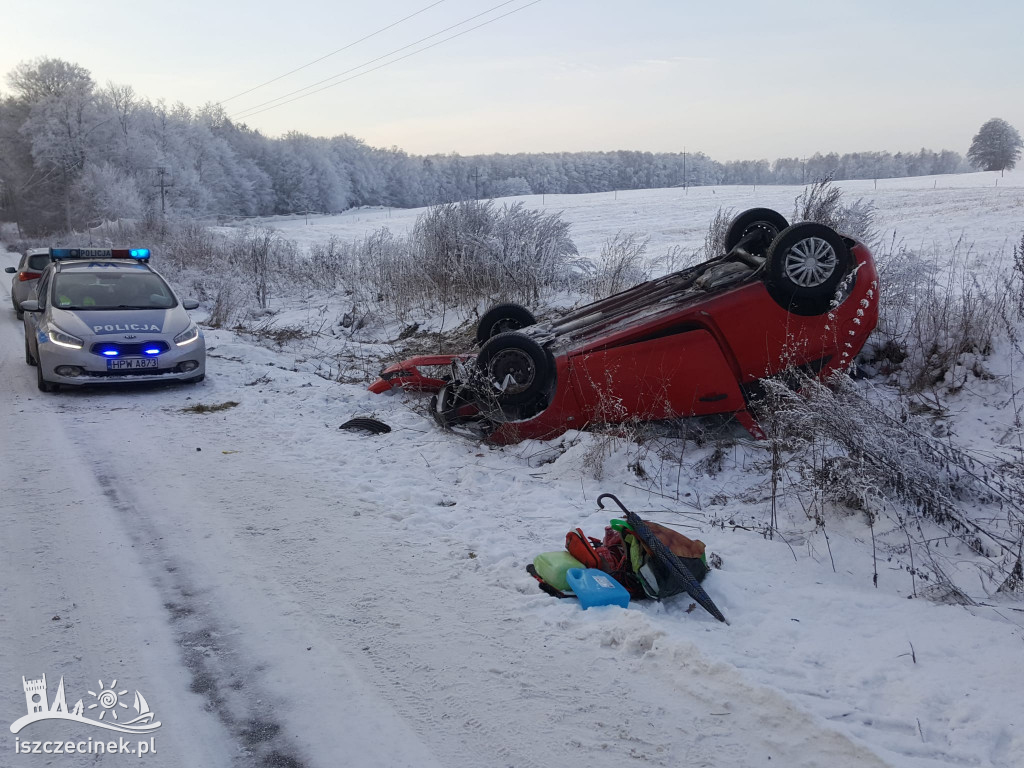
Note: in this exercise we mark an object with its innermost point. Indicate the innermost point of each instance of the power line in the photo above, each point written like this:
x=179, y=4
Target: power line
x=245, y=113
x=367, y=63
x=327, y=56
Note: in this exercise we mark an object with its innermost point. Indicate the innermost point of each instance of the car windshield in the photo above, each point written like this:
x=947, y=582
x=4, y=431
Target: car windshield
x=121, y=290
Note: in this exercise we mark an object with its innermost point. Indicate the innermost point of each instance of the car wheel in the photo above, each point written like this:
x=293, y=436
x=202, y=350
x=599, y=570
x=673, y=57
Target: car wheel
x=19, y=314
x=196, y=379
x=516, y=367
x=28, y=354
x=501, y=319
x=44, y=385
x=758, y=227
x=806, y=264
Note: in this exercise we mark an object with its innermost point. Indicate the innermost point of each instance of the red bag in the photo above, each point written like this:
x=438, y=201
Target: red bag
x=590, y=552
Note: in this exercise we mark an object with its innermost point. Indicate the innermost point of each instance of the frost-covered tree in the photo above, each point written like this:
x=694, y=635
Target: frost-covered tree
x=105, y=192
x=71, y=153
x=61, y=115
x=510, y=187
x=996, y=147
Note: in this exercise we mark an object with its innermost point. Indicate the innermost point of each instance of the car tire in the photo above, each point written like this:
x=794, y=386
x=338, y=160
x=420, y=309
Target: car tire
x=196, y=379
x=765, y=221
x=502, y=319
x=28, y=354
x=44, y=385
x=806, y=264
x=522, y=358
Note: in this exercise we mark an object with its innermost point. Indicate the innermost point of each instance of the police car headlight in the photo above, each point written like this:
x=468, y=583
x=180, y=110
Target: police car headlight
x=187, y=336
x=62, y=339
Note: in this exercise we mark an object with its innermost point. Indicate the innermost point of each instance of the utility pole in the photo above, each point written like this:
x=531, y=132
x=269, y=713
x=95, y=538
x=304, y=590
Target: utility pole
x=162, y=172
x=163, y=184
x=685, y=191
x=476, y=182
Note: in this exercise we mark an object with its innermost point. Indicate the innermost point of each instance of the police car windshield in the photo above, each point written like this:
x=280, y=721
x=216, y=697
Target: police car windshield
x=111, y=290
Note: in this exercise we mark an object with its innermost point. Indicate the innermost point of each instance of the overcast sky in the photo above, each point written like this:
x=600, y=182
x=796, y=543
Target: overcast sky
x=736, y=79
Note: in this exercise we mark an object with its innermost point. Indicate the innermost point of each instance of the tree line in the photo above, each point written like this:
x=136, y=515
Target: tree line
x=73, y=153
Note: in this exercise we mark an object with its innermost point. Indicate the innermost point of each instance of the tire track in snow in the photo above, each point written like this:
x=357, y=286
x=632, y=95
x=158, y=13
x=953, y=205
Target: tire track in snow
x=219, y=673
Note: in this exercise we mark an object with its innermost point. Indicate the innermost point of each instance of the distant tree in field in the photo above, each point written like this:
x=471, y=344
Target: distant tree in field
x=996, y=147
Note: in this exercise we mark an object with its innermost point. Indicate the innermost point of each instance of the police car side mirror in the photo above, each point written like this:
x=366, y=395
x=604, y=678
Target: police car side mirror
x=10, y=270
x=30, y=305
x=190, y=304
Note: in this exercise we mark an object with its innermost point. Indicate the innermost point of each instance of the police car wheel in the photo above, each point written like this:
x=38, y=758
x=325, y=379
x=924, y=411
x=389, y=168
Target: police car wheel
x=196, y=379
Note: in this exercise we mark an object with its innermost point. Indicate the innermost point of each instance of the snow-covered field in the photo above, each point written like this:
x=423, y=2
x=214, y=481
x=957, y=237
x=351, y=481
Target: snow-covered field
x=925, y=210
x=289, y=594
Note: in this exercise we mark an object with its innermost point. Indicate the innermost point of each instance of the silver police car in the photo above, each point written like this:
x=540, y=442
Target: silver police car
x=102, y=316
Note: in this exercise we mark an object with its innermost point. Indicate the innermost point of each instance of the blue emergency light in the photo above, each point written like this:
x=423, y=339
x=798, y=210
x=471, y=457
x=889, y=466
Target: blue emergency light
x=115, y=352
x=139, y=254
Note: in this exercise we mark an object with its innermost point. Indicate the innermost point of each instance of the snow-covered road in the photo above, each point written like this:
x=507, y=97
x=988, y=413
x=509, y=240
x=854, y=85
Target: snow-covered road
x=287, y=594
x=282, y=600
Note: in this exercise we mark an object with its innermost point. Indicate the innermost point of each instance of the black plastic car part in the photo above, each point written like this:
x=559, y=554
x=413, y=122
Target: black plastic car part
x=368, y=425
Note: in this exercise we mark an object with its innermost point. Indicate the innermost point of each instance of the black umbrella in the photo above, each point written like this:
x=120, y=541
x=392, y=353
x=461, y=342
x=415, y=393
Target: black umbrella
x=662, y=553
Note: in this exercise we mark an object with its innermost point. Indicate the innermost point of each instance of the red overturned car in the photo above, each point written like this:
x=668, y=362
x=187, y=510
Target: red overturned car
x=692, y=343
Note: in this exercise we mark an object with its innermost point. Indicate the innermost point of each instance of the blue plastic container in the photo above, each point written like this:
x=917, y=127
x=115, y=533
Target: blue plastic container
x=594, y=587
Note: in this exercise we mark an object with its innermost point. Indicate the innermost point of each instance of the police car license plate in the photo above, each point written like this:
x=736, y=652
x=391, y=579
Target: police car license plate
x=131, y=363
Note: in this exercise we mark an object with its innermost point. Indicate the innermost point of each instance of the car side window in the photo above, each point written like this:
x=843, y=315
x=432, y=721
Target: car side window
x=44, y=290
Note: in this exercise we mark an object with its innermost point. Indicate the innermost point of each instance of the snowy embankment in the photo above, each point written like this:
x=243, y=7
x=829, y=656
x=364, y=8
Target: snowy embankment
x=296, y=595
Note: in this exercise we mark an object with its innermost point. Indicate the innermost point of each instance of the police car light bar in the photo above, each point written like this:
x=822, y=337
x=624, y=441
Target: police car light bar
x=140, y=254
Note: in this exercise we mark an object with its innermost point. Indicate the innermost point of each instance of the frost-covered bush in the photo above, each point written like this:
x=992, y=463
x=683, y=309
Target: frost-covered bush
x=333, y=264
x=532, y=250
x=714, y=239
x=458, y=255
x=464, y=254
x=938, y=319
x=190, y=245
x=622, y=263
x=268, y=262
x=822, y=203
x=842, y=446
x=1017, y=280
